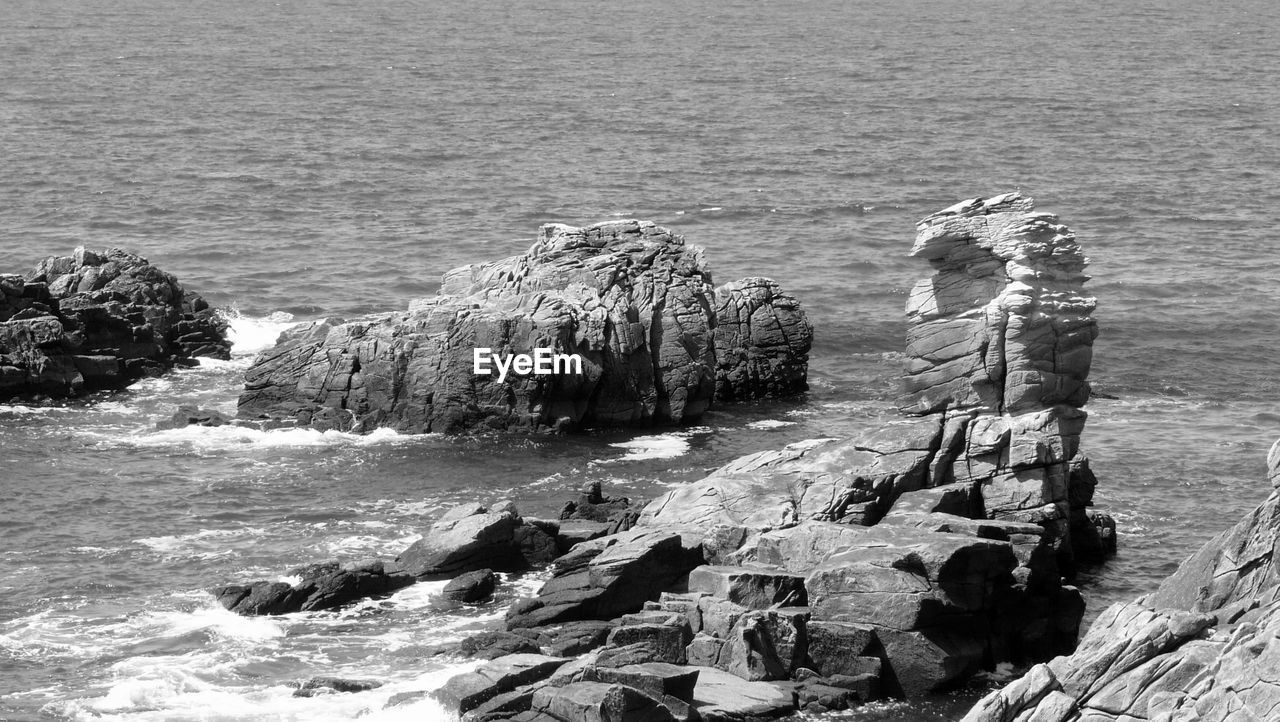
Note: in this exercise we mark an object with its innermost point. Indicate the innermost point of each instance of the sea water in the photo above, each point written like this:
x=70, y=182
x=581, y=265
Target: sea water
x=293, y=161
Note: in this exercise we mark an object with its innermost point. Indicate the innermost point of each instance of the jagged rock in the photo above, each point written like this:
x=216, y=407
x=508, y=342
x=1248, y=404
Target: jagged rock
x=330, y=685
x=598, y=701
x=498, y=643
x=465, y=539
x=762, y=341
x=630, y=299
x=570, y=638
x=467, y=691
x=95, y=320
x=752, y=587
x=606, y=577
x=1201, y=647
x=322, y=586
x=193, y=416
x=471, y=586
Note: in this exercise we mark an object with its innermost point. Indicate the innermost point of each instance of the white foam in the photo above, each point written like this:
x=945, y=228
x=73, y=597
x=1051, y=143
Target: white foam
x=250, y=335
x=659, y=446
x=233, y=437
x=770, y=424
x=21, y=410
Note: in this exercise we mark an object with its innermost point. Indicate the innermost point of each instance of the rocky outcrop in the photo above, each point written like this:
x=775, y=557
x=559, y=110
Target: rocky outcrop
x=897, y=563
x=1203, y=646
x=630, y=299
x=320, y=586
x=99, y=320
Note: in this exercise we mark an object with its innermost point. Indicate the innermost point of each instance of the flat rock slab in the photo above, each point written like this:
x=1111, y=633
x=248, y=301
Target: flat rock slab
x=723, y=697
x=752, y=587
x=598, y=702
x=469, y=690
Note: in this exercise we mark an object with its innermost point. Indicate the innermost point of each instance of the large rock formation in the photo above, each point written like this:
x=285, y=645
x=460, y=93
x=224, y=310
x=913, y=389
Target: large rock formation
x=1204, y=646
x=897, y=563
x=94, y=320
x=629, y=298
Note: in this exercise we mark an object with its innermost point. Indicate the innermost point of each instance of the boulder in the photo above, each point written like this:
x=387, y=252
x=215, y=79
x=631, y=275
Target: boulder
x=752, y=587
x=193, y=416
x=1201, y=646
x=330, y=685
x=497, y=643
x=723, y=697
x=471, y=586
x=464, y=692
x=466, y=539
x=762, y=340
x=99, y=320
x=629, y=301
x=607, y=577
x=322, y=586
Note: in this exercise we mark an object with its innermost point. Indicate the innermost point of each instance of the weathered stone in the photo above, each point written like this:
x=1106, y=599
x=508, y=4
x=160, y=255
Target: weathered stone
x=463, y=543
x=193, y=416
x=331, y=685
x=630, y=299
x=606, y=577
x=842, y=648
x=656, y=679
x=322, y=586
x=599, y=702
x=752, y=587
x=471, y=586
x=723, y=697
x=664, y=642
x=469, y=690
x=570, y=638
x=762, y=341
x=99, y=321
x=497, y=643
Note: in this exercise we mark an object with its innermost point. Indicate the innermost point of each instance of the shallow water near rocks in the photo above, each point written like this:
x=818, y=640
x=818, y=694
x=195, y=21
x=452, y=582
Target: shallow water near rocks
x=292, y=162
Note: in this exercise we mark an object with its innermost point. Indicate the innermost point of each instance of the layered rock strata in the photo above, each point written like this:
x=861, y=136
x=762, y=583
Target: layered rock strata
x=1203, y=646
x=657, y=342
x=894, y=564
x=99, y=320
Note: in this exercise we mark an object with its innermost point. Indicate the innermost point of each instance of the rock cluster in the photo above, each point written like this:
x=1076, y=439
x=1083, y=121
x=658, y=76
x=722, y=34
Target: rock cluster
x=833, y=572
x=658, y=344
x=1203, y=646
x=94, y=320
x=830, y=572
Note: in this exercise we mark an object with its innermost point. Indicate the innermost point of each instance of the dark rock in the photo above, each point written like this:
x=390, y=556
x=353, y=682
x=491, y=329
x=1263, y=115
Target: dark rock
x=494, y=644
x=503, y=706
x=752, y=587
x=94, y=321
x=193, y=416
x=323, y=586
x=762, y=341
x=574, y=532
x=656, y=679
x=570, y=638
x=471, y=586
x=330, y=685
x=469, y=690
x=598, y=701
x=627, y=297
x=663, y=642
x=462, y=540
x=606, y=577
x=838, y=648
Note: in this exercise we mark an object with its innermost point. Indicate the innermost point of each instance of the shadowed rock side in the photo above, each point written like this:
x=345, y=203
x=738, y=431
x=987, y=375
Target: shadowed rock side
x=94, y=320
x=894, y=564
x=630, y=298
x=1204, y=646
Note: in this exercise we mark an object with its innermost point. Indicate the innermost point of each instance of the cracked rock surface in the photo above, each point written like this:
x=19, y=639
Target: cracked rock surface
x=99, y=320
x=632, y=299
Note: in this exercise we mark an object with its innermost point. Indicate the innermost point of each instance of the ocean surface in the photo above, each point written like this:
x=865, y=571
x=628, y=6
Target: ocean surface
x=295, y=160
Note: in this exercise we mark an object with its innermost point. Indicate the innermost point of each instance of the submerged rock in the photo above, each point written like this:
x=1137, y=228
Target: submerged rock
x=93, y=321
x=321, y=586
x=630, y=299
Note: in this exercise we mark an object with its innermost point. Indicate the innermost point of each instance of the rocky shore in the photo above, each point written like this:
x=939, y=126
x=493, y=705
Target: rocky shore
x=657, y=343
x=823, y=575
x=98, y=320
x=1205, y=645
